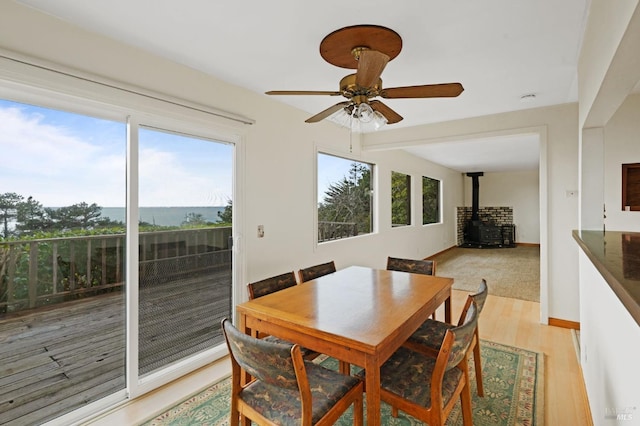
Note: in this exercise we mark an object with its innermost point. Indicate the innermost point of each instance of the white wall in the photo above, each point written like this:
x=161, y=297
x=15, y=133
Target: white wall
x=621, y=146
x=558, y=129
x=518, y=190
x=608, y=70
x=607, y=66
x=278, y=152
x=610, y=344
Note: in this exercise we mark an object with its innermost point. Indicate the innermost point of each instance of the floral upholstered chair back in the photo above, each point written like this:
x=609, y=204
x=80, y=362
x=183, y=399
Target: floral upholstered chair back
x=416, y=266
x=313, y=272
x=463, y=335
x=269, y=362
x=271, y=285
x=481, y=295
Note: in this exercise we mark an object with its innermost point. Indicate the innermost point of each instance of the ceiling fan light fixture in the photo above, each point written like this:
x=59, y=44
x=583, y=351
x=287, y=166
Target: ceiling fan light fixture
x=379, y=120
x=342, y=117
x=364, y=113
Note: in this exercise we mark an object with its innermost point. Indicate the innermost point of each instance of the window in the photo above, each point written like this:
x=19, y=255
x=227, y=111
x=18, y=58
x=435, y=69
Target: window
x=344, y=198
x=430, y=200
x=400, y=199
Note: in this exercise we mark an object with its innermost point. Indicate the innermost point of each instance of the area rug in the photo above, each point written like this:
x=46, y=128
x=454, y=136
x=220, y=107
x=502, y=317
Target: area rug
x=510, y=272
x=513, y=383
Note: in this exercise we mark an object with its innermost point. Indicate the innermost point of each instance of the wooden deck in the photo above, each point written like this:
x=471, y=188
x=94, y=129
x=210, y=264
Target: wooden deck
x=54, y=360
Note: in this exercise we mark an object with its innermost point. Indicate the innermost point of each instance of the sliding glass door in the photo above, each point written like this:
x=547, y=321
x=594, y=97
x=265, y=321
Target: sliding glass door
x=62, y=263
x=70, y=262
x=185, y=262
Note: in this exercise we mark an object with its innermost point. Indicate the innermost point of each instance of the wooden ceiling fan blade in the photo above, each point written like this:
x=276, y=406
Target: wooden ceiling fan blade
x=447, y=90
x=370, y=67
x=327, y=112
x=302, y=92
x=391, y=116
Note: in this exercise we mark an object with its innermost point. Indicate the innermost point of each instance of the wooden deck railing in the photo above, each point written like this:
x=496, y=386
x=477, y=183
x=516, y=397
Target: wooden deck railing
x=40, y=272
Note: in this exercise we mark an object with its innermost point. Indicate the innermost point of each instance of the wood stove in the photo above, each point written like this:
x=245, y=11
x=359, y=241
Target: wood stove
x=480, y=234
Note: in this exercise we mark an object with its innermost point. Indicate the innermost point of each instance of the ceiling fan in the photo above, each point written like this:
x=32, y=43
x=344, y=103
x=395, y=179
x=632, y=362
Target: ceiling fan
x=368, y=49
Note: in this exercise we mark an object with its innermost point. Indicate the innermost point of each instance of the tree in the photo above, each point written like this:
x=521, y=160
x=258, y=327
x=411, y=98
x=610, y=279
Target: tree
x=400, y=199
x=81, y=215
x=349, y=200
x=9, y=209
x=194, y=219
x=226, y=216
x=32, y=217
x=430, y=200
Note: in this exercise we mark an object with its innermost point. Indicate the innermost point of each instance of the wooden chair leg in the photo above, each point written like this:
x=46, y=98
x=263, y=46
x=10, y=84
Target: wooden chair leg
x=345, y=368
x=478, y=365
x=234, y=419
x=358, y=416
x=465, y=400
x=477, y=360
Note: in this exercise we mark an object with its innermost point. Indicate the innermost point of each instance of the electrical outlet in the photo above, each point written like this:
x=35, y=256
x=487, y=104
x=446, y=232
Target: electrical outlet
x=260, y=231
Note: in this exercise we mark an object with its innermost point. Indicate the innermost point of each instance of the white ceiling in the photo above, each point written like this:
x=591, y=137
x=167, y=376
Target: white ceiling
x=499, y=50
x=492, y=154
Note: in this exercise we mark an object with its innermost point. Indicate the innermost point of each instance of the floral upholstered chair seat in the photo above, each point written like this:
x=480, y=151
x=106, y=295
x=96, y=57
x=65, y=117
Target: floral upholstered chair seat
x=306, y=352
x=283, y=406
x=408, y=374
x=431, y=333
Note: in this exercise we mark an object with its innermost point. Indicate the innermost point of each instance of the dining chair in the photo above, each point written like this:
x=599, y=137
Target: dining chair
x=427, y=388
x=285, y=389
x=428, y=337
x=415, y=266
x=313, y=272
x=271, y=285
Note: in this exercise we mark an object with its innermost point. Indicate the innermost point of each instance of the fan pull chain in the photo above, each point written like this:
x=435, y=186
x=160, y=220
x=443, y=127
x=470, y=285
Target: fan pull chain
x=350, y=134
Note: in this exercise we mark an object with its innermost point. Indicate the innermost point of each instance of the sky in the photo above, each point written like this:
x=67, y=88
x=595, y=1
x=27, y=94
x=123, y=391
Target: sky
x=62, y=158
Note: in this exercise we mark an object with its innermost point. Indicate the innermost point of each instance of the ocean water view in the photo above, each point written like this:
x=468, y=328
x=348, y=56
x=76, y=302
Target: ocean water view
x=165, y=216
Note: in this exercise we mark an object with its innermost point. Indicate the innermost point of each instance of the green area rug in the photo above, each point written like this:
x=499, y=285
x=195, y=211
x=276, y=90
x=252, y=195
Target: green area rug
x=513, y=383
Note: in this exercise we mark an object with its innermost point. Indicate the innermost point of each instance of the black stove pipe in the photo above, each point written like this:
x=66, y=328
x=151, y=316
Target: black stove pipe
x=475, y=195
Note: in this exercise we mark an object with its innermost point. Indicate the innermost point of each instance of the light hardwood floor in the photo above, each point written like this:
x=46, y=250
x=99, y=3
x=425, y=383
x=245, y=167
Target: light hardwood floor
x=507, y=321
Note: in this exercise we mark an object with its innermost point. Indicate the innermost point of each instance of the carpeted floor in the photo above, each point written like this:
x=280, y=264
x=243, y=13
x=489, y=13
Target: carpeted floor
x=513, y=381
x=510, y=272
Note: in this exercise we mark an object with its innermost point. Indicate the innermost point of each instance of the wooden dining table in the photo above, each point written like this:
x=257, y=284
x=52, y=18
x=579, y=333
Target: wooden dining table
x=357, y=315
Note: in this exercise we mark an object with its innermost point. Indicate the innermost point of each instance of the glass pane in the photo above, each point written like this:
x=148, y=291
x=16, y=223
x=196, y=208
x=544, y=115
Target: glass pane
x=185, y=246
x=430, y=200
x=62, y=311
x=344, y=198
x=400, y=199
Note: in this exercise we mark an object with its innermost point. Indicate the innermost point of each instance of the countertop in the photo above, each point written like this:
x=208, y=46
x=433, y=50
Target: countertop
x=616, y=255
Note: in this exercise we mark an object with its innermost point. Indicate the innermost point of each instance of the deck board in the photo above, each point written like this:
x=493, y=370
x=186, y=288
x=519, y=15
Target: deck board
x=61, y=357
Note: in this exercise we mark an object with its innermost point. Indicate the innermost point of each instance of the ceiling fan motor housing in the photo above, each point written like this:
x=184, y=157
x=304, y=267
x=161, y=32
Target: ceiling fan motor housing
x=350, y=89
